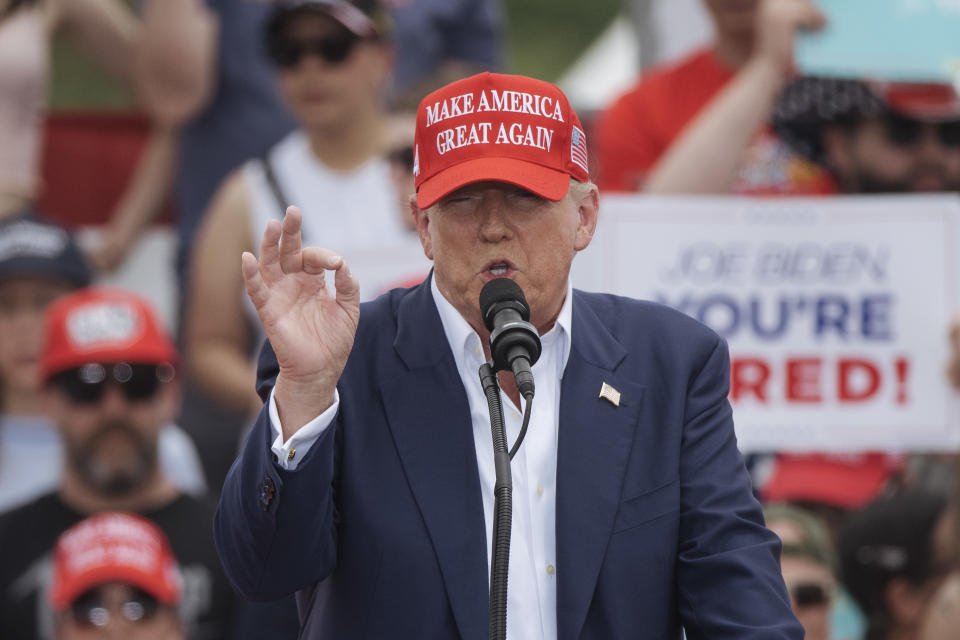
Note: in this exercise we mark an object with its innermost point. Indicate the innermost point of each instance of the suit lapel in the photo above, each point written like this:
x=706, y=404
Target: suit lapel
x=595, y=440
x=429, y=418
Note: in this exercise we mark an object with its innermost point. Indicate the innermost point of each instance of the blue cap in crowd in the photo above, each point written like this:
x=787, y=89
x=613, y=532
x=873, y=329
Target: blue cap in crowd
x=33, y=247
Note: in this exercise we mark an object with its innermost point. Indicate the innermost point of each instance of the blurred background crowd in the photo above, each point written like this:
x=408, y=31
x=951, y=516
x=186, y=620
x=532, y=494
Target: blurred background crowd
x=144, y=145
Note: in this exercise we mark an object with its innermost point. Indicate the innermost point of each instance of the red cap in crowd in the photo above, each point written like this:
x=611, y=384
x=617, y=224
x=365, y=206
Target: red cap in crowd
x=497, y=127
x=103, y=324
x=113, y=547
x=848, y=481
x=933, y=102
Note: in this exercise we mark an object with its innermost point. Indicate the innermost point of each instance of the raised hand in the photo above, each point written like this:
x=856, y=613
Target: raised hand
x=777, y=24
x=311, y=329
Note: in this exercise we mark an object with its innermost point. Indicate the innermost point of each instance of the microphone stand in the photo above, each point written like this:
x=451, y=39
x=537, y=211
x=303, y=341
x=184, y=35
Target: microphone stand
x=503, y=500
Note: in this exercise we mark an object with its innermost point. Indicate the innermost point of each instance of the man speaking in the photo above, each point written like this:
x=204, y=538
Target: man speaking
x=367, y=483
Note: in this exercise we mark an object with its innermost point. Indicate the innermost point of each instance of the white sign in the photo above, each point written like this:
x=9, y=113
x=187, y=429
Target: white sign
x=836, y=310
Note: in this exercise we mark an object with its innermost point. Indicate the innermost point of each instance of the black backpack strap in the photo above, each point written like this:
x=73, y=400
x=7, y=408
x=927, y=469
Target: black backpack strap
x=273, y=183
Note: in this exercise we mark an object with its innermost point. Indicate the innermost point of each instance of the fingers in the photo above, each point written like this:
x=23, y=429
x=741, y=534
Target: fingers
x=809, y=16
x=801, y=13
x=270, y=253
x=257, y=289
x=290, y=241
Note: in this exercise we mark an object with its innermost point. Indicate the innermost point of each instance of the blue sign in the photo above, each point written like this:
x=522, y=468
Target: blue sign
x=897, y=40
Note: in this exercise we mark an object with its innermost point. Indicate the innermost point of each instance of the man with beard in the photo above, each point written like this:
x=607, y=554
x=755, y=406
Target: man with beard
x=864, y=136
x=109, y=371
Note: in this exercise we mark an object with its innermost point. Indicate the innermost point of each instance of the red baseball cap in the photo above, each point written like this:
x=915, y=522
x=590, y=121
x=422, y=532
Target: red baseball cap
x=848, y=481
x=103, y=324
x=934, y=102
x=497, y=127
x=113, y=547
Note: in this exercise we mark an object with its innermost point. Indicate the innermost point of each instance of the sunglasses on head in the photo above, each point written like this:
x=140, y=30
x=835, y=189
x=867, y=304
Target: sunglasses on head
x=87, y=384
x=92, y=609
x=810, y=594
x=906, y=132
x=288, y=52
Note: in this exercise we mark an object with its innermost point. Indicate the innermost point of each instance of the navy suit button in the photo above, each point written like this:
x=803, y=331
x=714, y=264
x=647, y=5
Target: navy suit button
x=267, y=491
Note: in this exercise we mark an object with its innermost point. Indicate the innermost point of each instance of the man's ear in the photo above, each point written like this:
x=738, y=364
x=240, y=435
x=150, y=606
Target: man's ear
x=588, y=210
x=421, y=218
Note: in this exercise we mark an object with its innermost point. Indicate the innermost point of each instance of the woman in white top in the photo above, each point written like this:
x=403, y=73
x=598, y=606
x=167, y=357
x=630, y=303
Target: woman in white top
x=333, y=65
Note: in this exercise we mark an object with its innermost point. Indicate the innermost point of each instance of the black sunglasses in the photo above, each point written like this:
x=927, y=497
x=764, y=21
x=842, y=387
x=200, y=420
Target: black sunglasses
x=906, y=132
x=810, y=594
x=288, y=52
x=90, y=609
x=402, y=157
x=87, y=384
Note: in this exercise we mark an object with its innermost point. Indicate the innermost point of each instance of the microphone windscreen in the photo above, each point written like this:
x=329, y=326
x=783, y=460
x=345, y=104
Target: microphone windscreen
x=502, y=290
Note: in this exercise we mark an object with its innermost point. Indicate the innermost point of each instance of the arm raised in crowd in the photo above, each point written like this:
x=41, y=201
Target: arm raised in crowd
x=105, y=29
x=705, y=157
x=177, y=59
x=109, y=32
x=218, y=327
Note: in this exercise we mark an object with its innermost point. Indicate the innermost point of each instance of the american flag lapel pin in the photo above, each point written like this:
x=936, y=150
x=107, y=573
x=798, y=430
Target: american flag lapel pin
x=610, y=394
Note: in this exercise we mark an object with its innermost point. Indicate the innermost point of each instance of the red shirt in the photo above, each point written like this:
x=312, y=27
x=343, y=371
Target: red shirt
x=633, y=133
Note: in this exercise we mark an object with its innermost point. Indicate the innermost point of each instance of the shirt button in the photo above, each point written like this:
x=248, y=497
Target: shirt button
x=292, y=453
x=550, y=570
x=539, y=490
x=476, y=349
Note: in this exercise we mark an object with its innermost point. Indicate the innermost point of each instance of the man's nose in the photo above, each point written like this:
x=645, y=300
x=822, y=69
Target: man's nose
x=113, y=402
x=493, y=223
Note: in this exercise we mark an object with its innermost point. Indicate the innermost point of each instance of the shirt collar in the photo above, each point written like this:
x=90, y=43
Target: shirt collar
x=461, y=337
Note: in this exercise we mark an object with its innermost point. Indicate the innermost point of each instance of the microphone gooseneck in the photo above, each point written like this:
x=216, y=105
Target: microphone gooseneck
x=514, y=342
x=514, y=345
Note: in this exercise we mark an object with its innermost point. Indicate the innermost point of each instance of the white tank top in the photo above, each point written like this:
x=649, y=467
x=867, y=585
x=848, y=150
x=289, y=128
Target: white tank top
x=356, y=214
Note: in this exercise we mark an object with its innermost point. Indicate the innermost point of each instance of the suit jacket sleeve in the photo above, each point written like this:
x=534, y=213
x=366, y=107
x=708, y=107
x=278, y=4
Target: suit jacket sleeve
x=728, y=571
x=275, y=530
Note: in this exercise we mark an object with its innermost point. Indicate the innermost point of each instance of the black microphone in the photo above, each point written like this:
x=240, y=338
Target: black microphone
x=514, y=342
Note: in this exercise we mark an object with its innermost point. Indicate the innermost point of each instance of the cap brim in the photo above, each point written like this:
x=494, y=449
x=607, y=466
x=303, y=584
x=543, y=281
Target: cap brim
x=345, y=14
x=543, y=181
x=814, y=479
x=64, y=596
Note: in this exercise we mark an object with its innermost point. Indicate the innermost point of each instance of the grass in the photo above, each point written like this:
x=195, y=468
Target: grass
x=543, y=38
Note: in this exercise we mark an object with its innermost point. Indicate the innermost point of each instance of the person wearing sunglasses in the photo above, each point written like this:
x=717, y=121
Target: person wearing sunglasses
x=115, y=576
x=807, y=562
x=875, y=137
x=332, y=61
x=109, y=372
x=863, y=135
x=39, y=262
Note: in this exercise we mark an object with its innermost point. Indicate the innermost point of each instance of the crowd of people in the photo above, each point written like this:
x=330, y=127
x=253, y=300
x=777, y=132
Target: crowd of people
x=116, y=432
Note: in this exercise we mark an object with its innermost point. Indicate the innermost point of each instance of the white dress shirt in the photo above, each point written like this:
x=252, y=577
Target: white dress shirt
x=532, y=578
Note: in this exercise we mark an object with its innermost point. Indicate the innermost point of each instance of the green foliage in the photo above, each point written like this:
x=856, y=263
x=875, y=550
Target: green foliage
x=79, y=83
x=545, y=36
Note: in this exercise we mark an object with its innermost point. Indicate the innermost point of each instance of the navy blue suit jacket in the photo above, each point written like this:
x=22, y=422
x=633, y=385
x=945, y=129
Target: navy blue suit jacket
x=381, y=528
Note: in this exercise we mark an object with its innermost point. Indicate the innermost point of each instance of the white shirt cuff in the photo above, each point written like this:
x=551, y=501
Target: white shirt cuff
x=289, y=454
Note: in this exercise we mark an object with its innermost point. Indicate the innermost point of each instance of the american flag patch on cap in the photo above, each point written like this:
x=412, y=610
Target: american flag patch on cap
x=578, y=147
